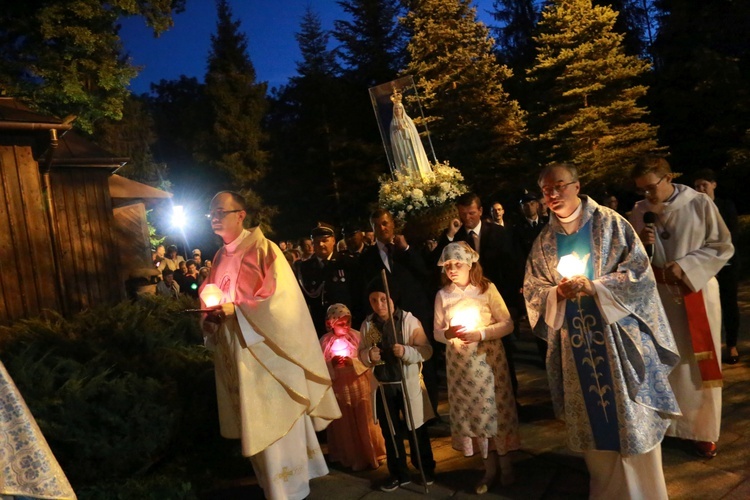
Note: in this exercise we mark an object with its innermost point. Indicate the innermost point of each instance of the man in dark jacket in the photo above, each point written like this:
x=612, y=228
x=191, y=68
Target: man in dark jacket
x=326, y=277
x=704, y=181
x=410, y=274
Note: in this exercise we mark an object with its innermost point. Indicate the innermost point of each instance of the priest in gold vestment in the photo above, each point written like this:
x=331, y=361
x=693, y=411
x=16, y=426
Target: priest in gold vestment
x=272, y=384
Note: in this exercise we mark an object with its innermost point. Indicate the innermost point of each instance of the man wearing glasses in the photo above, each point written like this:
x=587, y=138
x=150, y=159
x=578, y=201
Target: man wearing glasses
x=690, y=245
x=272, y=383
x=609, y=344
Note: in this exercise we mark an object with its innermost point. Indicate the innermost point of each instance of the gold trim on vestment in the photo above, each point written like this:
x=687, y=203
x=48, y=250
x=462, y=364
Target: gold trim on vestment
x=707, y=384
x=324, y=417
x=701, y=356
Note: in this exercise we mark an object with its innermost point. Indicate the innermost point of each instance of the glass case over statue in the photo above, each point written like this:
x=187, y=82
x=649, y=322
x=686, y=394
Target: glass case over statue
x=407, y=145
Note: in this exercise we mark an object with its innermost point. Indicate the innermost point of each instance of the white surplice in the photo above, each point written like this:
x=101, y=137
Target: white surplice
x=272, y=383
x=614, y=477
x=691, y=232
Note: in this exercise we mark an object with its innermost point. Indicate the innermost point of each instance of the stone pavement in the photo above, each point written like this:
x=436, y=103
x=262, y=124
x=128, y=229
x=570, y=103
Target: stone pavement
x=545, y=468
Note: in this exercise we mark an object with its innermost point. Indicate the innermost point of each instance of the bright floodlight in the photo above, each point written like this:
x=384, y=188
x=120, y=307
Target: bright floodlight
x=178, y=216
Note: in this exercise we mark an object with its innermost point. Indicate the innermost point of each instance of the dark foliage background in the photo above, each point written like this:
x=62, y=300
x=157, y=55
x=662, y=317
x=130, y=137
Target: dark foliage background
x=125, y=397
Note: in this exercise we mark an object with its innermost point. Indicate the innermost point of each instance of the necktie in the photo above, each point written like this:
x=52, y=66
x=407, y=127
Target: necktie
x=390, y=248
x=474, y=240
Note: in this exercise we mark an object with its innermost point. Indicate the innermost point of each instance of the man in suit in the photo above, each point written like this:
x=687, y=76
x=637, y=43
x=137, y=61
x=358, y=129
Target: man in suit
x=498, y=257
x=528, y=227
x=409, y=273
x=355, y=241
x=325, y=278
x=704, y=181
x=497, y=214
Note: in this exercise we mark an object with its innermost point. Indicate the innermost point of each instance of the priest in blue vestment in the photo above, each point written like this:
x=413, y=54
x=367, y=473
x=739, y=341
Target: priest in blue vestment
x=591, y=294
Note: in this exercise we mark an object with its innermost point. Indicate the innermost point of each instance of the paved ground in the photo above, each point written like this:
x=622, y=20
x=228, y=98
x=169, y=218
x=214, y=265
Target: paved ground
x=545, y=469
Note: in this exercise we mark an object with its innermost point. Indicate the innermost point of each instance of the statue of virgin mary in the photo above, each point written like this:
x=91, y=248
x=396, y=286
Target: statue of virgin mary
x=408, y=152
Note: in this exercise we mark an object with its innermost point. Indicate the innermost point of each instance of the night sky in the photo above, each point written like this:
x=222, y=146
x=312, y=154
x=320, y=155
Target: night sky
x=270, y=26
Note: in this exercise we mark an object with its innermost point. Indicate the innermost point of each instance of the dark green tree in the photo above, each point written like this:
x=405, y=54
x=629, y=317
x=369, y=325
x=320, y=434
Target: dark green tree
x=317, y=61
x=66, y=57
x=181, y=111
x=588, y=89
x=300, y=115
x=134, y=136
x=701, y=90
x=514, y=32
x=472, y=120
x=234, y=137
x=636, y=21
x=373, y=42
x=317, y=154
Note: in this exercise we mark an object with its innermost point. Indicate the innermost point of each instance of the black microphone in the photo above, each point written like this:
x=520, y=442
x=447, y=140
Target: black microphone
x=649, y=218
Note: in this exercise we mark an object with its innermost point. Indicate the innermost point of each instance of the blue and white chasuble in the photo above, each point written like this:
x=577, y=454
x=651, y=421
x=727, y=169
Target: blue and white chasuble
x=608, y=357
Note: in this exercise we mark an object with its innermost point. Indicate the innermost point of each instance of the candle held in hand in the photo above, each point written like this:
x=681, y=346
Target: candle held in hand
x=340, y=347
x=571, y=265
x=468, y=317
x=211, y=295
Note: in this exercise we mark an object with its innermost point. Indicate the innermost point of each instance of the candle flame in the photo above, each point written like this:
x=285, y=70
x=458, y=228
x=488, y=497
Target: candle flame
x=571, y=265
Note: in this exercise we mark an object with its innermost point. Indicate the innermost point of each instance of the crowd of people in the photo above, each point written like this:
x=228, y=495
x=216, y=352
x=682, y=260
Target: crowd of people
x=176, y=275
x=627, y=313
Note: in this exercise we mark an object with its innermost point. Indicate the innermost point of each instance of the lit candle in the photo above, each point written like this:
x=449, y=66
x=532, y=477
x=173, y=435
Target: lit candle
x=466, y=316
x=340, y=347
x=571, y=265
x=211, y=295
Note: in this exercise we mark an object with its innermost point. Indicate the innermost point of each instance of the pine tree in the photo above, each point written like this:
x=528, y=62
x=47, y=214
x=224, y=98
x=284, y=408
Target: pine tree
x=517, y=21
x=66, y=57
x=317, y=60
x=234, y=142
x=514, y=32
x=636, y=21
x=305, y=113
x=134, y=136
x=587, y=88
x=372, y=42
x=701, y=90
x=472, y=121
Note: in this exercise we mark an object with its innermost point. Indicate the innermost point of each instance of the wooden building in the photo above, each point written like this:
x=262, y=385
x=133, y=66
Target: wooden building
x=28, y=272
x=83, y=225
x=59, y=245
x=131, y=200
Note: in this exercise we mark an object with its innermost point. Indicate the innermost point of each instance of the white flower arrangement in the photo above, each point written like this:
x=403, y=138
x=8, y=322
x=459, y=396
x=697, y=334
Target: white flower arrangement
x=406, y=196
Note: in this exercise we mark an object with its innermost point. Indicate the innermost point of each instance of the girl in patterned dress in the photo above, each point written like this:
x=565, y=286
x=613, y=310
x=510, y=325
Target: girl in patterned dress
x=471, y=318
x=354, y=440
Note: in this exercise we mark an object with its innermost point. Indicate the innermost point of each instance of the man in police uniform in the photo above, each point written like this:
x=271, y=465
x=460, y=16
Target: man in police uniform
x=326, y=278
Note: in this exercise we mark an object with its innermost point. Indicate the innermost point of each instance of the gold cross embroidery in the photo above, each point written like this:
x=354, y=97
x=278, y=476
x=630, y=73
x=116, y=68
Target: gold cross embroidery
x=285, y=474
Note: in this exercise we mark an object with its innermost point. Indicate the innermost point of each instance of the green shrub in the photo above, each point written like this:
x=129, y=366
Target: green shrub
x=122, y=393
